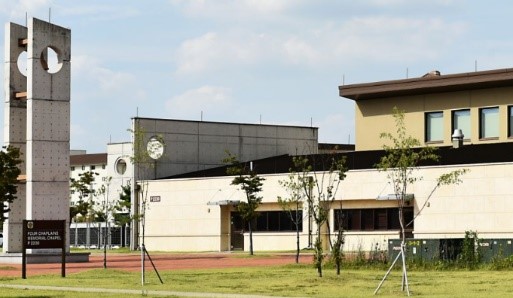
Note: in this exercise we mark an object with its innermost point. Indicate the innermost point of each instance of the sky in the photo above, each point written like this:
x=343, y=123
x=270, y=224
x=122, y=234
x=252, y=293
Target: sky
x=256, y=61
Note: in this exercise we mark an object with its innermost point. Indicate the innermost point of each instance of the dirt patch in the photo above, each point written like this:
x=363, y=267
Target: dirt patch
x=132, y=262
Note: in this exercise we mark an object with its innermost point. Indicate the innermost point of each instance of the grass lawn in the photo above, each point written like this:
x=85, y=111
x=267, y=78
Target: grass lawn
x=290, y=280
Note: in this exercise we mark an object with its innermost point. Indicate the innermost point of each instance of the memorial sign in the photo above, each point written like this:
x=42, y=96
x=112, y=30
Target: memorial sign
x=44, y=234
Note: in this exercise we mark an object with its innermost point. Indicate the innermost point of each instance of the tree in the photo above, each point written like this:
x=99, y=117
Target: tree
x=9, y=172
x=403, y=156
x=102, y=214
x=84, y=187
x=320, y=188
x=251, y=184
x=121, y=210
x=144, y=158
x=293, y=203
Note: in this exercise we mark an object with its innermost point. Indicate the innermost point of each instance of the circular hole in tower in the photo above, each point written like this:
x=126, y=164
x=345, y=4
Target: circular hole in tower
x=50, y=60
x=22, y=63
x=120, y=166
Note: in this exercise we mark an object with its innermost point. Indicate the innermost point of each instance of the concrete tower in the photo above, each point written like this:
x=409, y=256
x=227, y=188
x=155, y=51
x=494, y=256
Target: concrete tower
x=37, y=120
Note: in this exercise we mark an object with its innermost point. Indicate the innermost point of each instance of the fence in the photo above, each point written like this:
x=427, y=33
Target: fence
x=95, y=234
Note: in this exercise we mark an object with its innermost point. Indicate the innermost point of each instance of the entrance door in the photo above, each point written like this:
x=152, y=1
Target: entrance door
x=236, y=231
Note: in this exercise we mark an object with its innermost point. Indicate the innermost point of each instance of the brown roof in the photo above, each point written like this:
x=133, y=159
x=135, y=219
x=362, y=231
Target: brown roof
x=429, y=84
x=88, y=159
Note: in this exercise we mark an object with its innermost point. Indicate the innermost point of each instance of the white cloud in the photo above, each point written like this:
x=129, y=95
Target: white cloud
x=379, y=38
x=212, y=51
x=235, y=9
x=117, y=85
x=18, y=9
x=208, y=99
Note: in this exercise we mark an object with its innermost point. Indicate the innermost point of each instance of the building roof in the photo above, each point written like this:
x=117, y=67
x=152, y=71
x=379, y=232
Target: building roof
x=430, y=83
x=360, y=160
x=88, y=159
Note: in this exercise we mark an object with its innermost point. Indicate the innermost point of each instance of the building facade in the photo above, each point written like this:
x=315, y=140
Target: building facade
x=479, y=103
x=196, y=212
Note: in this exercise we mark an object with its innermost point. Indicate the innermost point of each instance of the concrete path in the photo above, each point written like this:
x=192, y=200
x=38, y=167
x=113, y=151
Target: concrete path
x=133, y=292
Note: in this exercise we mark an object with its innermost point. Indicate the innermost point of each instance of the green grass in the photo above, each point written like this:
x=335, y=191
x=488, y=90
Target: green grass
x=290, y=280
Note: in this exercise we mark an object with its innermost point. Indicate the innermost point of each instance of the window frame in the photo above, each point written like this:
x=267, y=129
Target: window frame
x=427, y=127
x=510, y=121
x=276, y=221
x=482, y=127
x=354, y=221
x=467, y=136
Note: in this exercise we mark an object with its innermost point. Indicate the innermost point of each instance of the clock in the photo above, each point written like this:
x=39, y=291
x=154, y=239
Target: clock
x=155, y=148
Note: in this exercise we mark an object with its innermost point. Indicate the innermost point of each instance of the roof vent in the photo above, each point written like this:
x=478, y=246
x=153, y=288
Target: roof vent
x=433, y=73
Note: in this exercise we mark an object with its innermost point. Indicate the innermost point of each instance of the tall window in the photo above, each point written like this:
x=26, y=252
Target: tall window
x=461, y=120
x=510, y=121
x=434, y=126
x=489, y=123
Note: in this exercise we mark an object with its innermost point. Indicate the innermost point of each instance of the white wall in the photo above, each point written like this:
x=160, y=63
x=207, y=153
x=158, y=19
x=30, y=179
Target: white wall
x=483, y=202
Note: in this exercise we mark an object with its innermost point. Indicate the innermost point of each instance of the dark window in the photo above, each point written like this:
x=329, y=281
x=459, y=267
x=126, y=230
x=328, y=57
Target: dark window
x=277, y=221
x=368, y=219
x=510, y=121
x=381, y=219
x=72, y=168
x=93, y=167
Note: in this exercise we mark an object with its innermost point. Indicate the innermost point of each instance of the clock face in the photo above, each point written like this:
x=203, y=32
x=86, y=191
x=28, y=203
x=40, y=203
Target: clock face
x=155, y=148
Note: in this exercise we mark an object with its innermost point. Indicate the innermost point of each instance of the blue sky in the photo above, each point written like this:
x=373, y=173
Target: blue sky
x=252, y=61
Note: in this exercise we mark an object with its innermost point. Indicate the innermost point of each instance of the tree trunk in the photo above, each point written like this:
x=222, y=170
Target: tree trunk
x=297, y=239
x=250, y=238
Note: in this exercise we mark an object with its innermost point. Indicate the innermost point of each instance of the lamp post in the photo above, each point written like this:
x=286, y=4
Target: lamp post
x=457, y=138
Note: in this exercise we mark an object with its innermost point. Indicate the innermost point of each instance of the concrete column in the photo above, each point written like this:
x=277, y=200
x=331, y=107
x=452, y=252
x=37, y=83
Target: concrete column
x=15, y=126
x=37, y=120
x=48, y=122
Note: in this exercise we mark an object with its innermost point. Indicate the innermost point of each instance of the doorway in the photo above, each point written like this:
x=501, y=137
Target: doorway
x=236, y=231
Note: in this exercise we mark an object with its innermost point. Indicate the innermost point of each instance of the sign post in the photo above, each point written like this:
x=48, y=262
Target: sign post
x=42, y=234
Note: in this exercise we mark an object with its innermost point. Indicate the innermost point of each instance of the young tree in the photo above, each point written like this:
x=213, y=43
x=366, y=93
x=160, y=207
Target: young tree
x=293, y=204
x=319, y=180
x=337, y=253
x=144, y=158
x=121, y=211
x=251, y=184
x=103, y=214
x=9, y=172
x=403, y=156
x=84, y=187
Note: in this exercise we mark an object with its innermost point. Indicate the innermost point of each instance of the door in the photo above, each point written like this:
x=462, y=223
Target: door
x=236, y=231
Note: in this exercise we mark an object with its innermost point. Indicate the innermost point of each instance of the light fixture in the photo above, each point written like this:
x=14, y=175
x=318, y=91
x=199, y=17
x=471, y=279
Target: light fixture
x=457, y=138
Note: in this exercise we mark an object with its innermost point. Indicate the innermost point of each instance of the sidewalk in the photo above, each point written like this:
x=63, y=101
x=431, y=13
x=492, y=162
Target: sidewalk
x=134, y=292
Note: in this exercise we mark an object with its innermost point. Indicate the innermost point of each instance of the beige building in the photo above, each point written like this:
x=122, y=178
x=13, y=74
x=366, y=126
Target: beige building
x=478, y=103
x=196, y=212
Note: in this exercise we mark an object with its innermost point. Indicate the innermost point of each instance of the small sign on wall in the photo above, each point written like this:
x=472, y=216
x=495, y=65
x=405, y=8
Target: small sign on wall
x=154, y=199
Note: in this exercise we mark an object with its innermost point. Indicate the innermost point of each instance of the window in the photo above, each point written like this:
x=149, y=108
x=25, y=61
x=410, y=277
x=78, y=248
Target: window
x=72, y=168
x=434, y=126
x=120, y=166
x=93, y=167
x=372, y=219
x=489, y=123
x=461, y=120
x=103, y=167
x=510, y=121
x=277, y=221
x=83, y=168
